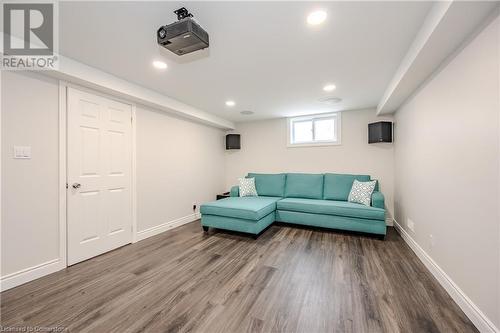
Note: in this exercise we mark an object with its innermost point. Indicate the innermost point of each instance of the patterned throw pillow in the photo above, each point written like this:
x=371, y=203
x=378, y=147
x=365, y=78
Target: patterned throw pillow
x=247, y=187
x=361, y=192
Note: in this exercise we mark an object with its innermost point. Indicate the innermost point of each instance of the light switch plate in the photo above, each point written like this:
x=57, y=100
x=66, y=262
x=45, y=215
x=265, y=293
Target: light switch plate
x=22, y=152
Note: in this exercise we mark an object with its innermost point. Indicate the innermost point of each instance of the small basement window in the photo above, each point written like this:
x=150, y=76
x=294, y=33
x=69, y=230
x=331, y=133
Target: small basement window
x=314, y=130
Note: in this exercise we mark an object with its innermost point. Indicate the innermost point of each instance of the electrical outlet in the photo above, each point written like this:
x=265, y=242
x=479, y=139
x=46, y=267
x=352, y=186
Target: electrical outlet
x=410, y=224
x=194, y=206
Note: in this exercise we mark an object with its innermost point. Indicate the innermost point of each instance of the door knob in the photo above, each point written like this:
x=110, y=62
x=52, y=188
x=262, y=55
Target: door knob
x=76, y=185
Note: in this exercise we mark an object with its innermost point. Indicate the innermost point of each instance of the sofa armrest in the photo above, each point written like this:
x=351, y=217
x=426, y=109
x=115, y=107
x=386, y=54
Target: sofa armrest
x=235, y=191
x=378, y=200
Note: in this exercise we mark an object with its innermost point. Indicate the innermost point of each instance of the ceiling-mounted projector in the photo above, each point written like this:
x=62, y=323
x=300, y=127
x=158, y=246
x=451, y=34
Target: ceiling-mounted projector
x=184, y=36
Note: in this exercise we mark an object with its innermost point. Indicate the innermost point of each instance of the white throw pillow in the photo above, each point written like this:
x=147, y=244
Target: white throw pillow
x=361, y=192
x=247, y=187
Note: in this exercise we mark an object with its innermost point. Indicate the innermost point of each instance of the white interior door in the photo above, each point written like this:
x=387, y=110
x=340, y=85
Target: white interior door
x=99, y=175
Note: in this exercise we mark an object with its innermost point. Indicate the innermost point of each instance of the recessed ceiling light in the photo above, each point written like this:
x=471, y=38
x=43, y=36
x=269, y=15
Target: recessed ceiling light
x=329, y=87
x=246, y=112
x=230, y=103
x=159, y=64
x=316, y=17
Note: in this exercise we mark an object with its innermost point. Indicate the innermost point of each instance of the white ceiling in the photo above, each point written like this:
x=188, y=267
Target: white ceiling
x=262, y=55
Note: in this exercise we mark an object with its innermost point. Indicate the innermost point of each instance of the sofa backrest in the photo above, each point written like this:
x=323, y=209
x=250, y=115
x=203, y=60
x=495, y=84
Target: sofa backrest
x=304, y=185
x=271, y=185
x=329, y=186
x=338, y=186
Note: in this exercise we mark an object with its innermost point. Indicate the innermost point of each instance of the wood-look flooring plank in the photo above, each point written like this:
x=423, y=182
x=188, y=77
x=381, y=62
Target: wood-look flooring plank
x=290, y=279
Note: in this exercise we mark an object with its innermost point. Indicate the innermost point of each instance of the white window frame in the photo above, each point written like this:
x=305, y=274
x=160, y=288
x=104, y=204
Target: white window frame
x=338, y=128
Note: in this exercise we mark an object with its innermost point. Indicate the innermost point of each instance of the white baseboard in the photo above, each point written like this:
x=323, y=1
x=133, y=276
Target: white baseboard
x=143, y=234
x=482, y=322
x=29, y=274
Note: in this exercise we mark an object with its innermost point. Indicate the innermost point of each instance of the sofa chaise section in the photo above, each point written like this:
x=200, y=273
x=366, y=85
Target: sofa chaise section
x=247, y=214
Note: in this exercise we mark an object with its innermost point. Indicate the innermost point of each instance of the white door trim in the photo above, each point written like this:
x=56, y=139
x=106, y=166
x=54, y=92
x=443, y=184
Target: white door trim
x=62, y=172
x=134, y=174
x=63, y=165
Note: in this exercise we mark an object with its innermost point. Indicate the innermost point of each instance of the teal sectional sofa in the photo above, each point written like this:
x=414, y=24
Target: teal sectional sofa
x=318, y=200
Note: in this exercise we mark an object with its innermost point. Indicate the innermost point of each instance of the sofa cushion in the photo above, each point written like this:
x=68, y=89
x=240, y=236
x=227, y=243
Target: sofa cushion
x=304, y=185
x=338, y=186
x=332, y=221
x=329, y=207
x=249, y=208
x=272, y=185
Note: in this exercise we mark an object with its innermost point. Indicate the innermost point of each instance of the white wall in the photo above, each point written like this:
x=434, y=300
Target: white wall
x=178, y=163
x=30, y=216
x=447, y=170
x=264, y=149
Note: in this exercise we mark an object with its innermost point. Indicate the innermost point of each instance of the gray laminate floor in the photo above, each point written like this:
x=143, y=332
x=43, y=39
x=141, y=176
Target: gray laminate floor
x=290, y=279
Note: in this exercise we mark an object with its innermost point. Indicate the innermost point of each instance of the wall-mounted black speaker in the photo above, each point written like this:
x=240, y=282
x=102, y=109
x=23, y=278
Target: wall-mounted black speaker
x=233, y=141
x=380, y=132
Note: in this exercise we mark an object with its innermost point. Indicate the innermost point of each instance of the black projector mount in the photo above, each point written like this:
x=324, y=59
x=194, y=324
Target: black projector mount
x=182, y=13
